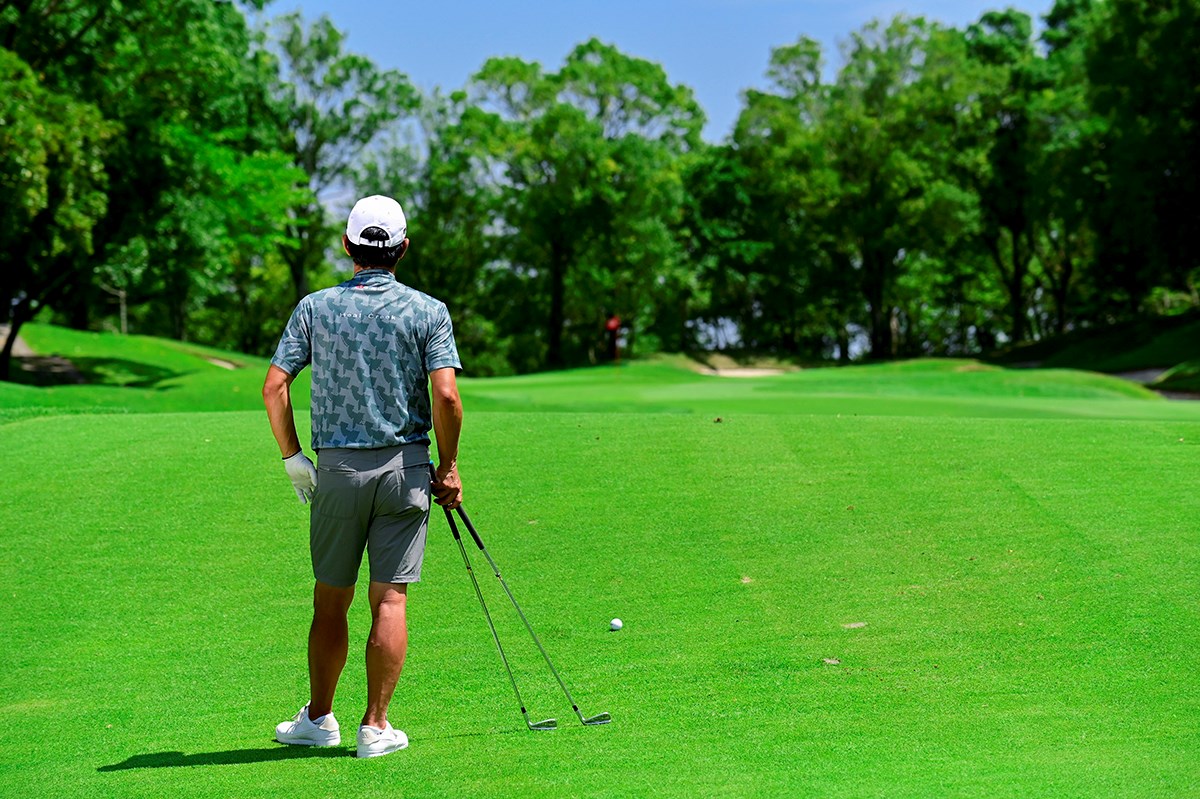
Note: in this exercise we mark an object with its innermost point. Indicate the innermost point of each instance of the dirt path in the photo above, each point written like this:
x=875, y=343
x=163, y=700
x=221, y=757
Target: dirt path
x=20, y=348
x=1143, y=376
x=739, y=371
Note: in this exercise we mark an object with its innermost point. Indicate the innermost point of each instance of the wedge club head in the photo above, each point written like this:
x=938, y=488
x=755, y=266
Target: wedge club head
x=548, y=724
x=599, y=718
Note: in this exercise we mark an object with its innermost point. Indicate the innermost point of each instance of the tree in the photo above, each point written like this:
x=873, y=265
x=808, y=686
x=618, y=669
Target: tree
x=587, y=168
x=1144, y=81
x=1068, y=184
x=334, y=105
x=1002, y=42
x=177, y=80
x=892, y=128
x=52, y=192
x=794, y=296
x=452, y=202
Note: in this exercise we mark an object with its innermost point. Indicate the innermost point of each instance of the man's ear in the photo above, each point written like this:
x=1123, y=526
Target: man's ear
x=403, y=249
x=345, y=244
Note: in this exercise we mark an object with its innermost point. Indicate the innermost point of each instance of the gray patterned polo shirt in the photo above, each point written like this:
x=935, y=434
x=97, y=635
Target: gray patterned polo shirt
x=372, y=342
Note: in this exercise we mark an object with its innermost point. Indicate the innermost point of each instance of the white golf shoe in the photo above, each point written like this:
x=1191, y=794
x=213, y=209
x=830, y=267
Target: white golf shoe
x=303, y=731
x=373, y=742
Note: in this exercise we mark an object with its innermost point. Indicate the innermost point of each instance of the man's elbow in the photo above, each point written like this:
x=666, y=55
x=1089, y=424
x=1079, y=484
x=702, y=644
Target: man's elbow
x=274, y=387
x=446, y=399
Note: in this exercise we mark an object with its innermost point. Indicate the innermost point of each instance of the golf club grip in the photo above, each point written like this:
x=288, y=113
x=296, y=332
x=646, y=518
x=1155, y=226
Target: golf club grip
x=449, y=516
x=462, y=514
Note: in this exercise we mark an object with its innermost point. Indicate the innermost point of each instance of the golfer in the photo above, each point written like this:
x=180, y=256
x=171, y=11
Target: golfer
x=375, y=345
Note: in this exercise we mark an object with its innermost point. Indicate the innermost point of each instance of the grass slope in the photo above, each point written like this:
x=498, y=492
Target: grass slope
x=132, y=374
x=1157, y=342
x=140, y=374
x=1183, y=377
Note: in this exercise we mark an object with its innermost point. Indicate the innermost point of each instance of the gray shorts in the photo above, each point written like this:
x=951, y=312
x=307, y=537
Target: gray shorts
x=372, y=498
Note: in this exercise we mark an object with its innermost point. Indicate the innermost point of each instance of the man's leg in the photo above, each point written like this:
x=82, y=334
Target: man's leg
x=386, y=648
x=328, y=639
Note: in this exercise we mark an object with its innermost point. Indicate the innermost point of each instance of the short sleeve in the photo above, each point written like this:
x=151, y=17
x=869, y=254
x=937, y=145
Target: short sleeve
x=440, y=350
x=295, y=345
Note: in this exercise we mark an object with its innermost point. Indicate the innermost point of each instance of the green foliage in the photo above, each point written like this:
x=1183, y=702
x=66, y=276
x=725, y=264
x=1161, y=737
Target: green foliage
x=166, y=169
x=191, y=190
x=52, y=189
x=588, y=189
x=1144, y=81
x=329, y=106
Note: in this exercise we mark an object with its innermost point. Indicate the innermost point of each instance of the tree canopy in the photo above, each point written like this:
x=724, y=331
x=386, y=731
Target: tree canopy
x=170, y=168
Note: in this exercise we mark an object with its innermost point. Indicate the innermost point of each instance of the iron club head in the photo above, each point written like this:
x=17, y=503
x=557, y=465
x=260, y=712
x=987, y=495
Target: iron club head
x=599, y=718
x=548, y=724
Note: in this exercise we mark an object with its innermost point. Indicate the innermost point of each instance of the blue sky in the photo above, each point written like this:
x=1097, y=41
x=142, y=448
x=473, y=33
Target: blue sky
x=717, y=47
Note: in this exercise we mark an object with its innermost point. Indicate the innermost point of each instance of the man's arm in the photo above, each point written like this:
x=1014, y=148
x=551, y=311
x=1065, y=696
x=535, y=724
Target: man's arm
x=277, y=396
x=447, y=426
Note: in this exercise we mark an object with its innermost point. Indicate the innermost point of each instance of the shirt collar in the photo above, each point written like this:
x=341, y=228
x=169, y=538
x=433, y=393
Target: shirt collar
x=373, y=277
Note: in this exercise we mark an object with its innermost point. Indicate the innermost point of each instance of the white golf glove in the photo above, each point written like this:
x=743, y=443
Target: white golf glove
x=303, y=474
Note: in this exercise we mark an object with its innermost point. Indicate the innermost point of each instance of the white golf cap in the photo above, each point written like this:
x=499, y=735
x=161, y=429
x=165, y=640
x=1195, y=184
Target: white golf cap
x=381, y=212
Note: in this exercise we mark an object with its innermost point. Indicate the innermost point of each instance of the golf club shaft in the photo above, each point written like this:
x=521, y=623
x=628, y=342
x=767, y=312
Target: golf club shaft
x=479, y=594
x=479, y=542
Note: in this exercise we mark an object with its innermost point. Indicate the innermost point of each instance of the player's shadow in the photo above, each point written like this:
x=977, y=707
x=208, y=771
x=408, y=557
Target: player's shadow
x=235, y=757
x=232, y=757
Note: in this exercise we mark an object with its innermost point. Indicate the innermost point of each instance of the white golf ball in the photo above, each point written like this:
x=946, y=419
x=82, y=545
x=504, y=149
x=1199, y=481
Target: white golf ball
x=615, y=624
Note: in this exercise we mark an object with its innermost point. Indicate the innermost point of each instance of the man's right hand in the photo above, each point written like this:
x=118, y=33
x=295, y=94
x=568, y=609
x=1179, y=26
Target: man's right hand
x=447, y=488
x=303, y=474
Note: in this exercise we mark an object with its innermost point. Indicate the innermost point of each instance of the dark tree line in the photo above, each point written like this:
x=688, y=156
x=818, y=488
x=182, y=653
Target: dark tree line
x=170, y=169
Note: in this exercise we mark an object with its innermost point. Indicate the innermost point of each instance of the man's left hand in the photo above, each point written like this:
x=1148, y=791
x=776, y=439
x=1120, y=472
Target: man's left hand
x=303, y=474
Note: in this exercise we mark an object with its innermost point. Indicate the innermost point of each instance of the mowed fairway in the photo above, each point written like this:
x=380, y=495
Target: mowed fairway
x=912, y=580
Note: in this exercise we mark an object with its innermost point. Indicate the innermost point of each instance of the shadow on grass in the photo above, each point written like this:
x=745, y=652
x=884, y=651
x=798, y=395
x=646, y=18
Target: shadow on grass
x=233, y=757
x=56, y=371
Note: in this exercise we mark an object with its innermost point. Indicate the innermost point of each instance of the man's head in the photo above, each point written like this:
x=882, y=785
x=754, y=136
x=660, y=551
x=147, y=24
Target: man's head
x=376, y=233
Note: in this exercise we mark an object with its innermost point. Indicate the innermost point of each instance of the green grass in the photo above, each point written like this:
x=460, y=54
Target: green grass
x=921, y=388
x=1020, y=548
x=138, y=374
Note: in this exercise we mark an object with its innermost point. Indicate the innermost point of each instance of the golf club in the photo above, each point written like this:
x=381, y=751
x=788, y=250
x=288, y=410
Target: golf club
x=537, y=726
x=599, y=718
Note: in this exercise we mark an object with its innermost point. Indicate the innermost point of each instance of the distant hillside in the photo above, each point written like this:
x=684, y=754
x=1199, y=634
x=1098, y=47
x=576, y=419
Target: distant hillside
x=1167, y=343
x=135, y=374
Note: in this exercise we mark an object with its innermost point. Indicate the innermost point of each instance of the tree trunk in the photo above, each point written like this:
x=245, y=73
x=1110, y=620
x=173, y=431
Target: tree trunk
x=1059, y=279
x=21, y=315
x=301, y=257
x=1016, y=288
x=297, y=261
x=558, y=285
x=1059, y=290
x=879, y=315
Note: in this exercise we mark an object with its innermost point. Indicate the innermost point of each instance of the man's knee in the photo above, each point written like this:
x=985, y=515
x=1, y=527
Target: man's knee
x=388, y=598
x=331, y=600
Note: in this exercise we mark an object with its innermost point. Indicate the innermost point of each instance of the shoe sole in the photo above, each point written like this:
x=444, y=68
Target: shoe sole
x=360, y=752
x=305, y=742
